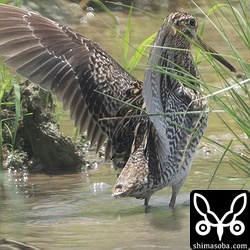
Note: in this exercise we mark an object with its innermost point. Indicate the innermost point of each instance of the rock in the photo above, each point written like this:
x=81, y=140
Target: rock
x=51, y=148
x=38, y=135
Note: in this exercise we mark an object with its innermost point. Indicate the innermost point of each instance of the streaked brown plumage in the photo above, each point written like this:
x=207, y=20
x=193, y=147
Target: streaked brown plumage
x=150, y=151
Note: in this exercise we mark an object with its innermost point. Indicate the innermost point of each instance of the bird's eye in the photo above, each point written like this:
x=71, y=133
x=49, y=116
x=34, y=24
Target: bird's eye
x=192, y=22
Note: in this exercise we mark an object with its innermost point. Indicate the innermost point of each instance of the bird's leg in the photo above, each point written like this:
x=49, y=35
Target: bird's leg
x=146, y=206
x=146, y=200
x=175, y=191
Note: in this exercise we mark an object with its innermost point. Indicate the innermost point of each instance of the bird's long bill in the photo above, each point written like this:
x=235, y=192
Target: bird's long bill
x=216, y=55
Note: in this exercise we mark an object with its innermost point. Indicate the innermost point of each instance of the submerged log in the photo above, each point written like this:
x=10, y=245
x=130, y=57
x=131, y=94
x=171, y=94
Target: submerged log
x=13, y=244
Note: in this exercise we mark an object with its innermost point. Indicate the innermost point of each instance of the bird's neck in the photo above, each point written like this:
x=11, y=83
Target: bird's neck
x=178, y=62
x=166, y=88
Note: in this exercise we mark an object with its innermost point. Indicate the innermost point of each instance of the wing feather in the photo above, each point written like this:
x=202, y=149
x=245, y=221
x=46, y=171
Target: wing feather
x=82, y=75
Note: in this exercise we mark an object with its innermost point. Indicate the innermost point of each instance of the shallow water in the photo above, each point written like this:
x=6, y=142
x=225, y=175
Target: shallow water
x=77, y=211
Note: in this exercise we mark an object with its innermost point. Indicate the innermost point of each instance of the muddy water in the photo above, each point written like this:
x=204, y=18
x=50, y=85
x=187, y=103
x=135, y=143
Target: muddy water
x=78, y=212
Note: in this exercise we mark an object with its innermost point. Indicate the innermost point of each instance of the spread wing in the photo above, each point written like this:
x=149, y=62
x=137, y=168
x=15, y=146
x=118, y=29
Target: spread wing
x=76, y=70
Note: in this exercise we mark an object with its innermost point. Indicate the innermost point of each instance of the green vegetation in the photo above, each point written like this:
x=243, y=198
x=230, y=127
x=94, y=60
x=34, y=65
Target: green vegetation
x=9, y=86
x=234, y=98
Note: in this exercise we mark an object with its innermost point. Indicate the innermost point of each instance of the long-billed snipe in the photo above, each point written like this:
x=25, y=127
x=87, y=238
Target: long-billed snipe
x=150, y=151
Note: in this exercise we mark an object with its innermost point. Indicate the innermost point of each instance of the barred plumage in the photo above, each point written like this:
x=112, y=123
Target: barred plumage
x=150, y=151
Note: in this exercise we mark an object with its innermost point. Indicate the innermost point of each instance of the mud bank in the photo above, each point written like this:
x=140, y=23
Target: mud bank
x=39, y=144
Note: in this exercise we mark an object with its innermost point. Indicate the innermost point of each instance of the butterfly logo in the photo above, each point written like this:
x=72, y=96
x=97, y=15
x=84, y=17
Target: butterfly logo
x=203, y=227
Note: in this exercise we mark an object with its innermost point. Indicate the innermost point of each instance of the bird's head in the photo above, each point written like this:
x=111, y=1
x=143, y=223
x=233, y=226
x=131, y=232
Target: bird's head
x=182, y=24
x=179, y=30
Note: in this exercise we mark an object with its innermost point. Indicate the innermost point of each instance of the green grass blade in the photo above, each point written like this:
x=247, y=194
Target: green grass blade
x=219, y=163
x=126, y=40
x=106, y=9
x=3, y=89
x=140, y=51
x=17, y=108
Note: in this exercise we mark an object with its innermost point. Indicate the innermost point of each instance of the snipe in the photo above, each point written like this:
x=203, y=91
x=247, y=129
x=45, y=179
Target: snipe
x=150, y=152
